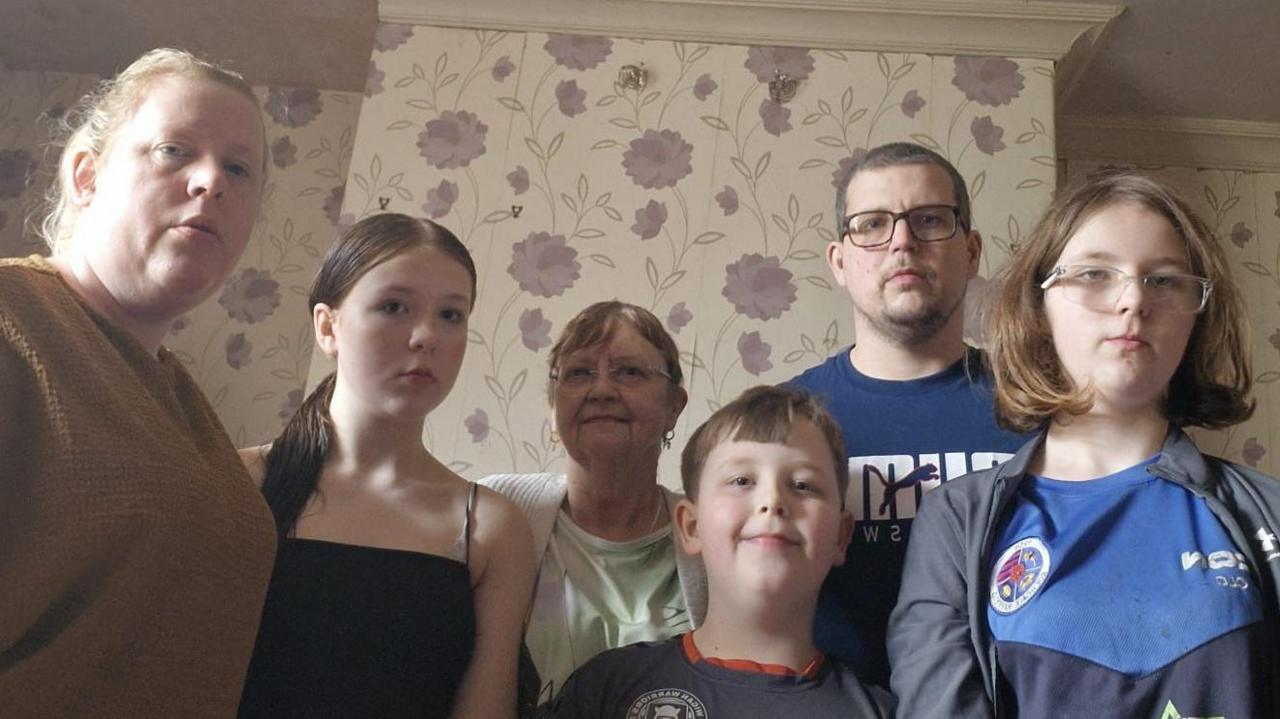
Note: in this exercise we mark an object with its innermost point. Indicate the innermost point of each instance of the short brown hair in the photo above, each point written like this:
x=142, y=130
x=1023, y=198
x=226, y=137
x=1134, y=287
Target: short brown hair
x=1211, y=385
x=96, y=117
x=761, y=414
x=898, y=154
x=597, y=323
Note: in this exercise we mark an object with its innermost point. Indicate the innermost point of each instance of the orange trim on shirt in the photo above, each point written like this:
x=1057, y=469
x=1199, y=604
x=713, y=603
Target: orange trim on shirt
x=810, y=670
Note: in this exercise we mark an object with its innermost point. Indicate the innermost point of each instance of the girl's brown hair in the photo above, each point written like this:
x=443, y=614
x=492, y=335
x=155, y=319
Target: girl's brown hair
x=297, y=456
x=761, y=414
x=1210, y=386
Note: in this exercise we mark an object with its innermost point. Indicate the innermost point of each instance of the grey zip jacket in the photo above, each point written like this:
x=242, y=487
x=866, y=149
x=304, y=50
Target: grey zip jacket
x=941, y=651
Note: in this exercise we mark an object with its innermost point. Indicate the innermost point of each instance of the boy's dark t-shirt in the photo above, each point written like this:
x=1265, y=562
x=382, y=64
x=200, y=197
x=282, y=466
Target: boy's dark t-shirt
x=653, y=680
x=903, y=439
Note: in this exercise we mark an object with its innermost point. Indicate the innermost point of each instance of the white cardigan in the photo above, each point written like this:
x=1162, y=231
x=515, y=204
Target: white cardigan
x=539, y=496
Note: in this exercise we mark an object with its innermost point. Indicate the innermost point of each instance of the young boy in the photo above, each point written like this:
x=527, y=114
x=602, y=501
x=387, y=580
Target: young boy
x=764, y=480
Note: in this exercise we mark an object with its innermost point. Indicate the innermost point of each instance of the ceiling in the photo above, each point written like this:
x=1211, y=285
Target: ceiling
x=1160, y=58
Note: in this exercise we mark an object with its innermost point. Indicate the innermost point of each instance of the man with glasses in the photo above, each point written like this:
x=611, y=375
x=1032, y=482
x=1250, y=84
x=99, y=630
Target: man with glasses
x=913, y=400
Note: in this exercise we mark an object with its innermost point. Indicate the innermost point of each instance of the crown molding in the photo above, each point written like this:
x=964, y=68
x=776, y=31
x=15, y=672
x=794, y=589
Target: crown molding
x=1183, y=141
x=1012, y=28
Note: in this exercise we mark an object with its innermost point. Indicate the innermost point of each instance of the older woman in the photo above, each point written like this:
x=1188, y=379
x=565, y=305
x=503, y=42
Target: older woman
x=1109, y=565
x=134, y=549
x=610, y=572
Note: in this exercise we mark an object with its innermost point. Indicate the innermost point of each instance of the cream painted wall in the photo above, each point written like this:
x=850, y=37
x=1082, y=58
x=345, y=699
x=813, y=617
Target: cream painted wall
x=249, y=347
x=696, y=197
x=1243, y=208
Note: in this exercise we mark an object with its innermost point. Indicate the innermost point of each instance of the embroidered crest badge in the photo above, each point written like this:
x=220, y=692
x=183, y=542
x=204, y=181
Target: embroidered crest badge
x=1020, y=573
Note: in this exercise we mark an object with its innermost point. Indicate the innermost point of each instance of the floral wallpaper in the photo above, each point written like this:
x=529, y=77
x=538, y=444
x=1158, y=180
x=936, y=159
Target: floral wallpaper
x=29, y=104
x=696, y=196
x=249, y=346
x=1243, y=208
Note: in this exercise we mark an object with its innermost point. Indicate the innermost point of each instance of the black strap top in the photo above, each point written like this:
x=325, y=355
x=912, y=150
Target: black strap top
x=352, y=631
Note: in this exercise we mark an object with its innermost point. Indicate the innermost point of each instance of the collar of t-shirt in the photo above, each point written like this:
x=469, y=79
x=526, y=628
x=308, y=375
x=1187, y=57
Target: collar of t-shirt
x=694, y=656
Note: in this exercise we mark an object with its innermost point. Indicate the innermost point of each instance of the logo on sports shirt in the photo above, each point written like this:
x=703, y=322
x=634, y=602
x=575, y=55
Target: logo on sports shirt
x=1021, y=572
x=1171, y=712
x=667, y=704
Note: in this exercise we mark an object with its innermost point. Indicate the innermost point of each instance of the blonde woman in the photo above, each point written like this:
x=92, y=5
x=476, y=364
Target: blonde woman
x=134, y=549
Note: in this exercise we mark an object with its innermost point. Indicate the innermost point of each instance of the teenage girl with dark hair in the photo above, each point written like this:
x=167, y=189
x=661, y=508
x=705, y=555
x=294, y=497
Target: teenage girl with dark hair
x=400, y=589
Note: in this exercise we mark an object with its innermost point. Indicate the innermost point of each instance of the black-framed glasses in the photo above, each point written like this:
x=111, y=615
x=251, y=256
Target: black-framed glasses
x=1099, y=287
x=927, y=223
x=623, y=375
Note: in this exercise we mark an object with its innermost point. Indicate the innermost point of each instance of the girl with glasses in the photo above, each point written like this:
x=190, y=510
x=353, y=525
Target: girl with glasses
x=1109, y=568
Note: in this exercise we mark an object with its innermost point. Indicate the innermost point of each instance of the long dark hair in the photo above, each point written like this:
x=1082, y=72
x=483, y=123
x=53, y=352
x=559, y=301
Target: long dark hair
x=297, y=456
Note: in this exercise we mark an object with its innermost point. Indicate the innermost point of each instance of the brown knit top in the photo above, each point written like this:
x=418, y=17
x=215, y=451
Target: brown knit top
x=134, y=549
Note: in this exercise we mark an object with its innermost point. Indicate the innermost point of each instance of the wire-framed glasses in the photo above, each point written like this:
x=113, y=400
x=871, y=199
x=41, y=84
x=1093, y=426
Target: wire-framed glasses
x=927, y=223
x=1099, y=287
x=623, y=375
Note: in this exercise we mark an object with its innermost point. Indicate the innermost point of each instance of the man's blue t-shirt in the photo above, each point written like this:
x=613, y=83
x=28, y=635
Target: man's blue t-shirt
x=903, y=439
x=1124, y=596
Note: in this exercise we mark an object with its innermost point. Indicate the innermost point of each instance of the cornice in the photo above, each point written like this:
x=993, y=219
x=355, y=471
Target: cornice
x=1012, y=28
x=1184, y=141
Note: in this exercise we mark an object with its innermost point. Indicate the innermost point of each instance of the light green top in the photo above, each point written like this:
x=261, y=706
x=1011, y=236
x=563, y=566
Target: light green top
x=593, y=595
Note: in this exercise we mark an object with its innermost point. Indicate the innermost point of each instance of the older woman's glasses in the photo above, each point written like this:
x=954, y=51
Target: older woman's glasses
x=625, y=375
x=1099, y=288
x=929, y=223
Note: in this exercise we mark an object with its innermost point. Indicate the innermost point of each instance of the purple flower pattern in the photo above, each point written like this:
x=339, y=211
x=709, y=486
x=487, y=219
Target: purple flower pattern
x=911, y=103
x=1240, y=235
x=333, y=203
x=649, y=220
x=293, y=106
x=775, y=117
x=759, y=287
x=727, y=199
x=544, y=265
x=990, y=81
x=390, y=36
x=283, y=152
x=535, y=330
x=754, y=353
x=704, y=86
x=239, y=351
x=658, y=159
x=678, y=317
x=796, y=62
x=502, y=68
x=987, y=135
x=250, y=297
x=477, y=424
x=518, y=179
x=290, y=405
x=571, y=98
x=440, y=199
x=1253, y=452
x=845, y=166
x=452, y=140
x=578, y=52
x=16, y=170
